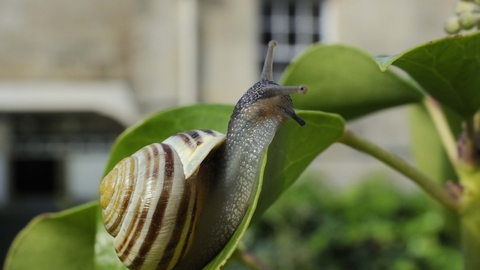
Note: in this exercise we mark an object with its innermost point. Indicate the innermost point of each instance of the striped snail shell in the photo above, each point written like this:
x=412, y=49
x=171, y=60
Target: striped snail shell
x=149, y=199
x=176, y=204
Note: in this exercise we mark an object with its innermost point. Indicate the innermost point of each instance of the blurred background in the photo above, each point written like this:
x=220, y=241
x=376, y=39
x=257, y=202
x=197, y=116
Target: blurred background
x=75, y=74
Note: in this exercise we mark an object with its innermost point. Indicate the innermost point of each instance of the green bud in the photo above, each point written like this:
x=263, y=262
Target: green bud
x=467, y=20
x=452, y=25
x=464, y=7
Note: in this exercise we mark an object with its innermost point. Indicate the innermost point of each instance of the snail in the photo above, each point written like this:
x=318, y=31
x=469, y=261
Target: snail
x=176, y=204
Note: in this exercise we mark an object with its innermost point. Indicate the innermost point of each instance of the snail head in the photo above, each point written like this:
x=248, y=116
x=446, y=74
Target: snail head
x=267, y=98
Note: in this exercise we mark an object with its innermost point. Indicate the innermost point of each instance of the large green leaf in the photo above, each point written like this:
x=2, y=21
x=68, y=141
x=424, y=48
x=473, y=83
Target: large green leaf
x=448, y=69
x=105, y=256
x=345, y=80
x=62, y=240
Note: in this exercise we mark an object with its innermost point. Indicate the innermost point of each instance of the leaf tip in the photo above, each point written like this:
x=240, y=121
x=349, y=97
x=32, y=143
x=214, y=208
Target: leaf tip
x=383, y=62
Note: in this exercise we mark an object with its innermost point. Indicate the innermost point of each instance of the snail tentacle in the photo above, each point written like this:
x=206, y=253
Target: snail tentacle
x=267, y=72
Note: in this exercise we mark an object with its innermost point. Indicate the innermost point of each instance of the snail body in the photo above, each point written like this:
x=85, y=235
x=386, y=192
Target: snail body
x=175, y=204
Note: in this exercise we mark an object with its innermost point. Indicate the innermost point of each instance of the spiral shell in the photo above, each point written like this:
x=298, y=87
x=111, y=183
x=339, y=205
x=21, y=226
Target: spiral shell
x=149, y=200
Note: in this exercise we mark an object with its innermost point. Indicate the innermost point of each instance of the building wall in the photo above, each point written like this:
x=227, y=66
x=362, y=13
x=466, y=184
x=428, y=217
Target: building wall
x=229, y=42
x=386, y=26
x=139, y=42
x=67, y=40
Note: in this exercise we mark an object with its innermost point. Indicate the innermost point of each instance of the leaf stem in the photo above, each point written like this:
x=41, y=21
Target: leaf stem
x=429, y=185
x=443, y=128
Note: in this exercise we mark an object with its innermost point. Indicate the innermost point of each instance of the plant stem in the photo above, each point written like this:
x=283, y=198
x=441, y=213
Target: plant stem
x=430, y=186
x=470, y=217
x=470, y=229
x=443, y=128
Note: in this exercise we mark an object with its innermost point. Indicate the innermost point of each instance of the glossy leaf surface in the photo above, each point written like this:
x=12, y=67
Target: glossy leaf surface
x=345, y=80
x=62, y=240
x=447, y=69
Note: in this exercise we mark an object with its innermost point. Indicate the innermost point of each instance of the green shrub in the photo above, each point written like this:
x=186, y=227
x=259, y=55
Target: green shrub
x=370, y=225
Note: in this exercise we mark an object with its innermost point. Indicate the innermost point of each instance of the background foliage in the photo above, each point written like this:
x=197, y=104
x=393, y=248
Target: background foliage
x=370, y=225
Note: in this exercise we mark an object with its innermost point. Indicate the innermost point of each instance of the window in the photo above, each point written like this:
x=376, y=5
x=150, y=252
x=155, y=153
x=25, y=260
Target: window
x=43, y=145
x=35, y=177
x=295, y=25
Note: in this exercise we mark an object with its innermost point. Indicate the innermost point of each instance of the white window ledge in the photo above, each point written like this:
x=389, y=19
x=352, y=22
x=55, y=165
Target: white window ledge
x=109, y=98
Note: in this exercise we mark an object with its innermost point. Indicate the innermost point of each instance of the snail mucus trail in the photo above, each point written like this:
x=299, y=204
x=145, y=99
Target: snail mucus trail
x=221, y=186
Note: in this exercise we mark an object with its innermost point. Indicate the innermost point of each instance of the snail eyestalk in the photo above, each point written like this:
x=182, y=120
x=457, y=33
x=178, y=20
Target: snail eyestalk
x=267, y=72
x=277, y=90
x=291, y=113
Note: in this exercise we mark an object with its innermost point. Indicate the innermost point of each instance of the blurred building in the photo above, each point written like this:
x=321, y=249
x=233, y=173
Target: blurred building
x=75, y=74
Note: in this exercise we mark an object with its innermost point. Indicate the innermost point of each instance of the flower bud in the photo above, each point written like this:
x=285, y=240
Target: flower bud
x=467, y=20
x=452, y=25
x=464, y=7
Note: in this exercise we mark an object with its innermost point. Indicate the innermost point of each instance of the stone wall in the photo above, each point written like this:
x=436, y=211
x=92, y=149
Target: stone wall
x=68, y=40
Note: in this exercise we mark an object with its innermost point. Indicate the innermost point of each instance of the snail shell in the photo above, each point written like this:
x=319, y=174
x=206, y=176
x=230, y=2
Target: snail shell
x=150, y=199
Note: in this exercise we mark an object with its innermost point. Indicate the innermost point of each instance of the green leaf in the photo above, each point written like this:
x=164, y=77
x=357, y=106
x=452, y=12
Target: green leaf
x=345, y=80
x=427, y=148
x=62, y=240
x=105, y=256
x=293, y=149
x=448, y=69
